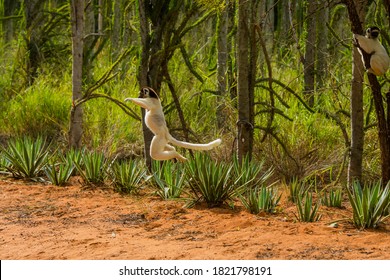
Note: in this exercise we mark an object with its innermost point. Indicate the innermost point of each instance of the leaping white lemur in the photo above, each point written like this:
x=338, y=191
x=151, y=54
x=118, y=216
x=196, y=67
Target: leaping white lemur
x=379, y=59
x=155, y=121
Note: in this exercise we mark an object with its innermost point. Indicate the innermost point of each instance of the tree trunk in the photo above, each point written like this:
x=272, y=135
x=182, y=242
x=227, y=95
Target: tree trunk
x=89, y=40
x=116, y=38
x=143, y=76
x=222, y=45
x=32, y=10
x=322, y=43
x=231, y=71
x=10, y=6
x=356, y=16
x=357, y=120
x=76, y=115
x=244, y=124
x=387, y=6
x=309, y=61
x=383, y=128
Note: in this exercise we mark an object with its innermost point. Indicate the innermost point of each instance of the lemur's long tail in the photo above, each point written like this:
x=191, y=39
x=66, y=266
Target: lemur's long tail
x=200, y=147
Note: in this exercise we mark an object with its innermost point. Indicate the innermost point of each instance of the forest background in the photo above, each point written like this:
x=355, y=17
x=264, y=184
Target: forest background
x=278, y=80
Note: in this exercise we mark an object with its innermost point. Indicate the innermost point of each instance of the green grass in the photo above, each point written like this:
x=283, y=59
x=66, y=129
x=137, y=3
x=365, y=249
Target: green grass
x=42, y=109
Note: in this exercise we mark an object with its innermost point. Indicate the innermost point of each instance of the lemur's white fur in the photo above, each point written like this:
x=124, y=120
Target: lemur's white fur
x=379, y=61
x=155, y=121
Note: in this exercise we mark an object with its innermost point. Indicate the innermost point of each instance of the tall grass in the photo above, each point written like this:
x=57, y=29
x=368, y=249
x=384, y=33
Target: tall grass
x=42, y=109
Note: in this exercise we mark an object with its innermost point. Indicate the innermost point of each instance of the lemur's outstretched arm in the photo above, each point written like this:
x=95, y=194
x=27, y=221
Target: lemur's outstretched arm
x=140, y=102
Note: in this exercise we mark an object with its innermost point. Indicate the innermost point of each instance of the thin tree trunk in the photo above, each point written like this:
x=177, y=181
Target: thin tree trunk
x=244, y=125
x=116, y=42
x=309, y=61
x=322, y=43
x=387, y=6
x=231, y=74
x=10, y=7
x=143, y=76
x=383, y=129
x=222, y=45
x=356, y=16
x=76, y=115
x=32, y=10
x=357, y=120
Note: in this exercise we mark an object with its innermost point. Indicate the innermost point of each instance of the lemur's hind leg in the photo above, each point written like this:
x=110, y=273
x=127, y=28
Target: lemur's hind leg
x=160, y=150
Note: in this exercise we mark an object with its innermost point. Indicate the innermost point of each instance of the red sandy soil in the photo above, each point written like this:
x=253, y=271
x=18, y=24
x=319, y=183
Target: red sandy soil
x=47, y=222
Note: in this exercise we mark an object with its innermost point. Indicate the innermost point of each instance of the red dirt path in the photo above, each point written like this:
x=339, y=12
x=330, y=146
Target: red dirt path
x=48, y=222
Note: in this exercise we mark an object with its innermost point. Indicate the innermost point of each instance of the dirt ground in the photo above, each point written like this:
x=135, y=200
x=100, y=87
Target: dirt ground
x=46, y=222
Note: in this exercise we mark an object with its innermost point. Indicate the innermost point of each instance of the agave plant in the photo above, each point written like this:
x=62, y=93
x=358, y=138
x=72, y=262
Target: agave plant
x=297, y=189
x=263, y=199
x=127, y=176
x=59, y=170
x=25, y=157
x=307, y=212
x=370, y=204
x=251, y=174
x=169, y=178
x=93, y=167
x=4, y=163
x=333, y=198
x=210, y=181
x=75, y=157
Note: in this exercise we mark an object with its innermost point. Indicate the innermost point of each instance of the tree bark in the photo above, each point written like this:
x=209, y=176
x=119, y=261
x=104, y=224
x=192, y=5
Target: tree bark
x=383, y=128
x=222, y=45
x=387, y=6
x=33, y=38
x=322, y=43
x=76, y=114
x=356, y=16
x=143, y=76
x=244, y=124
x=10, y=6
x=310, y=53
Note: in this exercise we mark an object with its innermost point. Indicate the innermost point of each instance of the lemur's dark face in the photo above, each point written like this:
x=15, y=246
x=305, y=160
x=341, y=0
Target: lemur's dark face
x=147, y=92
x=372, y=32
